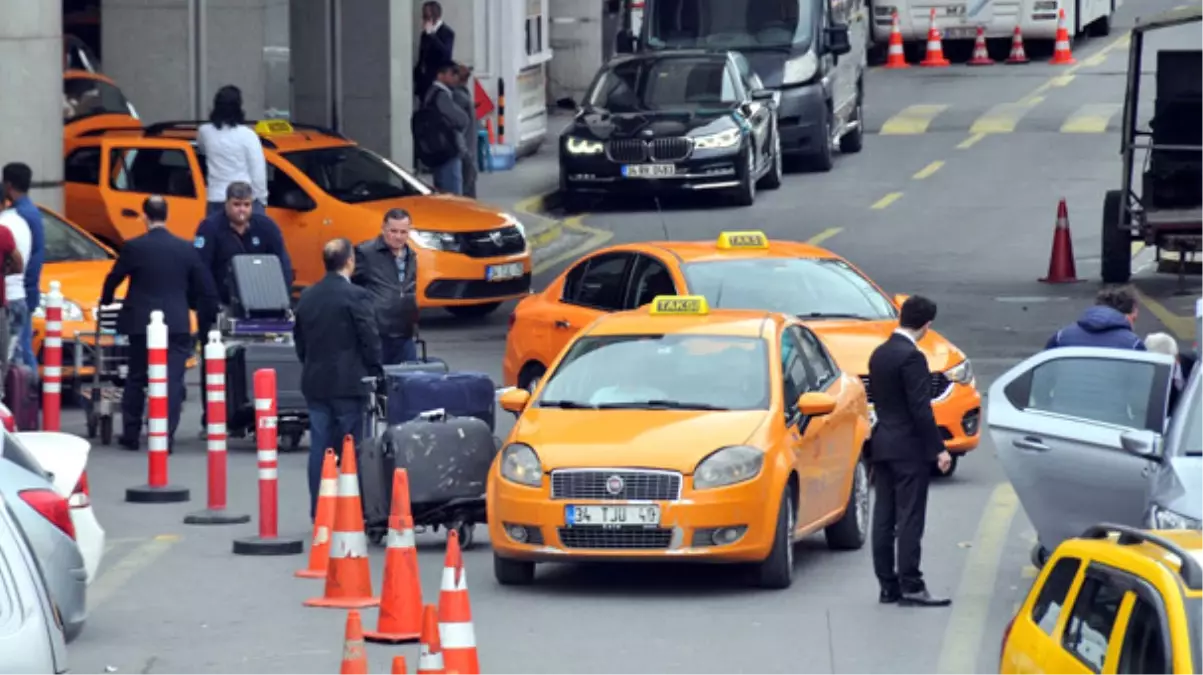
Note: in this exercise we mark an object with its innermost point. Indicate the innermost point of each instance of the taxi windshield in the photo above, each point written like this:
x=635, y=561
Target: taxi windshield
x=811, y=288
x=664, y=84
x=85, y=97
x=64, y=243
x=661, y=372
x=353, y=175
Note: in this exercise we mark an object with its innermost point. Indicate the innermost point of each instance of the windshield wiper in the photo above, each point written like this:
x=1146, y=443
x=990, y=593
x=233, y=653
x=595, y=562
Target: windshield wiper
x=661, y=404
x=567, y=405
x=833, y=315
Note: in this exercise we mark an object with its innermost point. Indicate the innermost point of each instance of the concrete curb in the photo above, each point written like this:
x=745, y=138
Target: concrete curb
x=542, y=230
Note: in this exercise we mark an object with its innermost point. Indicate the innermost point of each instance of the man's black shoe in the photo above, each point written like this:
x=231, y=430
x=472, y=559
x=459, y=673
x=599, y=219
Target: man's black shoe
x=889, y=596
x=134, y=444
x=922, y=599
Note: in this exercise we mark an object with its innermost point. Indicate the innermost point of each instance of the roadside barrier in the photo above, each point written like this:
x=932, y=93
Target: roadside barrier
x=52, y=360
x=430, y=650
x=215, y=402
x=323, y=520
x=349, y=575
x=981, y=55
x=935, y=47
x=355, y=657
x=456, y=634
x=896, y=56
x=400, y=618
x=1062, y=56
x=1018, y=55
x=157, y=490
x=269, y=541
x=1061, y=268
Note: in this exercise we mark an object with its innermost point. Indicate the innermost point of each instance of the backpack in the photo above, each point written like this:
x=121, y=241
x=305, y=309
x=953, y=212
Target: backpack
x=434, y=140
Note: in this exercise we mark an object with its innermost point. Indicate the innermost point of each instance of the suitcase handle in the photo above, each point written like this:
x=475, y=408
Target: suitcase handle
x=422, y=349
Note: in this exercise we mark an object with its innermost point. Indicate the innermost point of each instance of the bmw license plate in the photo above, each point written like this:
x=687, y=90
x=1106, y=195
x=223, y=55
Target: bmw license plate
x=503, y=272
x=642, y=515
x=649, y=170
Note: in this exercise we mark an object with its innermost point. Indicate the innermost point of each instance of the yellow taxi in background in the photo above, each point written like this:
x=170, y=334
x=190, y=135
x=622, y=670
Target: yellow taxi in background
x=675, y=433
x=1115, y=600
x=742, y=270
x=471, y=257
x=93, y=103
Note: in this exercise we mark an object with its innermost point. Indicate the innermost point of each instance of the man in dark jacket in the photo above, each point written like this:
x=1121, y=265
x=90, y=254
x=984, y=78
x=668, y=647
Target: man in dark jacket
x=388, y=270
x=454, y=121
x=338, y=345
x=1109, y=323
x=165, y=274
x=462, y=93
x=435, y=47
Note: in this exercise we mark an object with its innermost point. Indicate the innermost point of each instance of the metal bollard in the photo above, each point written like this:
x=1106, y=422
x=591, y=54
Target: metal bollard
x=215, y=397
x=156, y=490
x=268, y=542
x=52, y=360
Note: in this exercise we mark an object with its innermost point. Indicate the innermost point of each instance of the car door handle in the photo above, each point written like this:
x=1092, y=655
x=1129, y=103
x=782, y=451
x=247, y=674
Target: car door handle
x=1030, y=443
x=563, y=324
x=129, y=213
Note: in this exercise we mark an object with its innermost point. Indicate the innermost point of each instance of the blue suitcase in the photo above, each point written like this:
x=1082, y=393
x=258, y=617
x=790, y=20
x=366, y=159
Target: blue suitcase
x=463, y=394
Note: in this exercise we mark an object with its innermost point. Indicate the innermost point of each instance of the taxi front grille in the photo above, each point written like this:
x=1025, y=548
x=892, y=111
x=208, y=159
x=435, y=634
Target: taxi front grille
x=623, y=538
x=493, y=243
x=939, y=386
x=599, y=484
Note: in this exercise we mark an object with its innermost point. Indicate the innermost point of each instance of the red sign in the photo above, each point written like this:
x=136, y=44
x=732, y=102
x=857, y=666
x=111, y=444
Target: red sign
x=484, y=104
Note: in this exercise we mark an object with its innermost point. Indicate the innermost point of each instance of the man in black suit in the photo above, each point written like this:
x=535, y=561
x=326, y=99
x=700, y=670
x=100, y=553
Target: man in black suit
x=904, y=444
x=435, y=48
x=338, y=345
x=165, y=274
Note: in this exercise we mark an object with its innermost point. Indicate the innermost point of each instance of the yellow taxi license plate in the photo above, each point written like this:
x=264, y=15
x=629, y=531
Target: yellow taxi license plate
x=612, y=516
x=503, y=272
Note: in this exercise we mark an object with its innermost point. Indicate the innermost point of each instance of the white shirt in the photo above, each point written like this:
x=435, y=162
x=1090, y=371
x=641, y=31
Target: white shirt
x=906, y=335
x=434, y=27
x=14, y=284
x=232, y=154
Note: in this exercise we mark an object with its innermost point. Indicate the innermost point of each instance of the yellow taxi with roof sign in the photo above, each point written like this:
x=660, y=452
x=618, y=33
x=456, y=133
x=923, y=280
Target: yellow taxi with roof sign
x=678, y=432
x=741, y=269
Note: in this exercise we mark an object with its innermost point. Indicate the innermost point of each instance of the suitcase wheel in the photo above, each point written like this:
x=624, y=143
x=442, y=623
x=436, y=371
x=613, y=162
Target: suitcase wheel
x=294, y=440
x=106, y=429
x=466, y=531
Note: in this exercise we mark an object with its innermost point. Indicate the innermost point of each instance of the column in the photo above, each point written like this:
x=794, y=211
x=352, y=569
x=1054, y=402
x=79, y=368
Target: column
x=31, y=51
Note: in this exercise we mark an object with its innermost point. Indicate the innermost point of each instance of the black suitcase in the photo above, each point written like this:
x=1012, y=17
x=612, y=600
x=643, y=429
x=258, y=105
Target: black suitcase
x=375, y=464
x=257, y=288
x=242, y=360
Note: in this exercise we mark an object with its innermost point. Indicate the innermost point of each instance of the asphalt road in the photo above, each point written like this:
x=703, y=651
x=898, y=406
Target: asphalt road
x=963, y=214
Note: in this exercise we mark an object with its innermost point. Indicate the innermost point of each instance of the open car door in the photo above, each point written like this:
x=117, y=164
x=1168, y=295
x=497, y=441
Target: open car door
x=1078, y=432
x=133, y=168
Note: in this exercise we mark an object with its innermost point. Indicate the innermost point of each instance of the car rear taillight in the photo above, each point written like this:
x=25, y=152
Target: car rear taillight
x=81, y=497
x=1002, y=649
x=6, y=417
x=52, y=507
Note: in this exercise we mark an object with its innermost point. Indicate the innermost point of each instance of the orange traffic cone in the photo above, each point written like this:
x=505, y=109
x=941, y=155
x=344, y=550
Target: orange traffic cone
x=981, y=55
x=400, y=618
x=1018, y=55
x=1061, y=262
x=456, y=633
x=1062, y=56
x=896, y=57
x=935, y=47
x=430, y=650
x=327, y=496
x=349, y=576
x=399, y=666
x=355, y=657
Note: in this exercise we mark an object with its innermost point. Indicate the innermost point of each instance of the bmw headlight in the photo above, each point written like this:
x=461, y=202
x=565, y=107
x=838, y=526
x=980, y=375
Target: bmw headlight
x=723, y=139
x=728, y=466
x=1161, y=518
x=583, y=146
x=520, y=464
x=962, y=373
x=438, y=241
x=71, y=310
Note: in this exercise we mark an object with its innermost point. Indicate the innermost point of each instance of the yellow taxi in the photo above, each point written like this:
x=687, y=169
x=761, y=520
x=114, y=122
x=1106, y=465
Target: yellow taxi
x=1116, y=600
x=674, y=432
x=93, y=103
x=741, y=270
x=471, y=257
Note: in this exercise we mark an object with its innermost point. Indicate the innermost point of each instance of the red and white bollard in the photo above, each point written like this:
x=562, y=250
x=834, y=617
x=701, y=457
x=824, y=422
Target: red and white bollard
x=156, y=490
x=215, y=400
x=268, y=542
x=52, y=360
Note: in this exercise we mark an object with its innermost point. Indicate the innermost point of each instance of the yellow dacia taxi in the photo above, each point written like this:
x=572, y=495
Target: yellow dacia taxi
x=672, y=432
x=471, y=257
x=1116, y=600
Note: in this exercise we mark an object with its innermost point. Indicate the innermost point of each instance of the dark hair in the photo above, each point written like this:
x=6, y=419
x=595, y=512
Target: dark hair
x=436, y=10
x=396, y=214
x=1120, y=298
x=449, y=67
x=18, y=175
x=154, y=208
x=336, y=253
x=917, y=311
x=227, y=107
x=239, y=190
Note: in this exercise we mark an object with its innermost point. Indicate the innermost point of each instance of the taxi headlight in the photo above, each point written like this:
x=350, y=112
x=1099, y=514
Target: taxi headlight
x=723, y=139
x=728, y=466
x=512, y=221
x=520, y=464
x=71, y=311
x=583, y=146
x=1161, y=518
x=436, y=241
x=962, y=373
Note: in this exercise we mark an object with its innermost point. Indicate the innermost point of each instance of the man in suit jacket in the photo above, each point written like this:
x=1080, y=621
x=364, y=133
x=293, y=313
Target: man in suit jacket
x=338, y=345
x=435, y=47
x=904, y=444
x=165, y=274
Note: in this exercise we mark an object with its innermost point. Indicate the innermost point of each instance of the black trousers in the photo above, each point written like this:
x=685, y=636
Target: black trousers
x=899, y=516
x=133, y=402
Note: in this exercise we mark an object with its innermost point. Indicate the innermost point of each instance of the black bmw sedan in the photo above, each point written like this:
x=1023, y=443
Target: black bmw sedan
x=672, y=120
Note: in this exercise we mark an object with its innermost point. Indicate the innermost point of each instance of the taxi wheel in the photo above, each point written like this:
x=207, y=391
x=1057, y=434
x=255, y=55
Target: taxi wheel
x=474, y=311
x=850, y=531
x=777, y=570
x=530, y=376
x=513, y=572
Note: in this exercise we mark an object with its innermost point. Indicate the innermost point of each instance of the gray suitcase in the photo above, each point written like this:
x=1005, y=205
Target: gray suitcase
x=257, y=288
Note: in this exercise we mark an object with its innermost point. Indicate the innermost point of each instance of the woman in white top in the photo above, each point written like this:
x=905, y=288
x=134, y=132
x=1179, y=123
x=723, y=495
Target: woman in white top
x=14, y=284
x=232, y=150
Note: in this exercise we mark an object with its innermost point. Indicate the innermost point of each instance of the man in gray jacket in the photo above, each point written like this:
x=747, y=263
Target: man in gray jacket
x=388, y=270
x=463, y=96
x=449, y=175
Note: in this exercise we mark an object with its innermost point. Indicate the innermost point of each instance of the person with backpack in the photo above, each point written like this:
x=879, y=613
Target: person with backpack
x=438, y=128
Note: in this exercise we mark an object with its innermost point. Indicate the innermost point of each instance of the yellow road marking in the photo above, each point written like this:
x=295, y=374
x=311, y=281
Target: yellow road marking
x=1091, y=118
x=928, y=170
x=1181, y=326
x=1096, y=60
x=824, y=236
x=971, y=604
x=111, y=581
x=1002, y=118
x=594, y=239
x=886, y=200
x=913, y=119
x=970, y=142
x=1060, y=80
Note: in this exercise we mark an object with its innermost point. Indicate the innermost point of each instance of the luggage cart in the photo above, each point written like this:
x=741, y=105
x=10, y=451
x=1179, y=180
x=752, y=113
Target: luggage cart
x=292, y=422
x=107, y=351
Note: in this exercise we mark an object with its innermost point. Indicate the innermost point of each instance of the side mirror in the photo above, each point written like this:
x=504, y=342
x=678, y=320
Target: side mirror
x=763, y=95
x=816, y=404
x=514, y=400
x=1142, y=443
x=297, y=201
x=838, y=42
x=900, y=298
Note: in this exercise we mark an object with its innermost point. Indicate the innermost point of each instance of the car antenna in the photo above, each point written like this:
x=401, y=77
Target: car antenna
x=663, y=222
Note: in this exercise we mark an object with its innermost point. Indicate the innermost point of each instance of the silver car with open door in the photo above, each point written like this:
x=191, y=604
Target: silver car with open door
x=1078, y=431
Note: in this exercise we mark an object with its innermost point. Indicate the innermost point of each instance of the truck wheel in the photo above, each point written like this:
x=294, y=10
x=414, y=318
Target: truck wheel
x=822, y=160
x=777, y=570
x=513, y=572
x=1117, y=242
